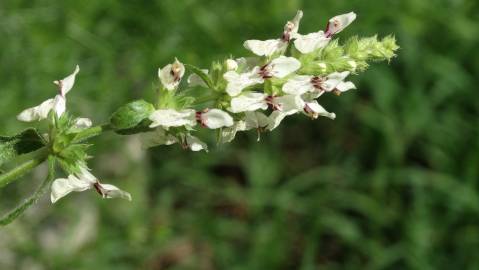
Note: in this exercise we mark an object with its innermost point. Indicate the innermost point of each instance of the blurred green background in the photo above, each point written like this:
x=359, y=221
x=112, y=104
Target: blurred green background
x=392, y=183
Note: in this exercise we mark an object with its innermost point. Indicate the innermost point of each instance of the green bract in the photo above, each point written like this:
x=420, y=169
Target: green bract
x=129, y=116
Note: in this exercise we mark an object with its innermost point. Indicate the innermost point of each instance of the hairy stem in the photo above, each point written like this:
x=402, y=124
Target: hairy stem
x=12, y=215
x=20, y=170
x=91, y=132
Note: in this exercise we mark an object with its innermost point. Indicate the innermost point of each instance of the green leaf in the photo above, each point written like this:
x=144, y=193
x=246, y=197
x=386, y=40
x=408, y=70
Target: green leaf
x=23, y=143
x=131, y=115
x=201, y=74
x=15, y=213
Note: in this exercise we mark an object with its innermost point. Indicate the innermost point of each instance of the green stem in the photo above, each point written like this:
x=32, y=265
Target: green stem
x=91, y=132
x=12, y=215
x=17, y=172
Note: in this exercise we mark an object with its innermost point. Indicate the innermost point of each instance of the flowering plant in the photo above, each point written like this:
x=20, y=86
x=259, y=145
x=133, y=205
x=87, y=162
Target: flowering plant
x=285, y=76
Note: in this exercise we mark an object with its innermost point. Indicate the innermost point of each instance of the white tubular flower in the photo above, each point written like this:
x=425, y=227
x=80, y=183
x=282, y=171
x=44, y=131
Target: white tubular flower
x=57, y=104
x=248, y=102
x=302, y=84
x=314, y=110
x=311, y=42
x=170, y=76
x=278, y=68
x=195, y=80
x=82, y=123
x=272, y=46
x=338, y=23
x=81, y=182
x=291, y=27
x=237, y=82
x=171, y=118
x=214, y=118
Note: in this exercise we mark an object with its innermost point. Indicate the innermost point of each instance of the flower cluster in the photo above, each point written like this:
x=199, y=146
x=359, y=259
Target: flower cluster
x=252, y=93
x=286, y=76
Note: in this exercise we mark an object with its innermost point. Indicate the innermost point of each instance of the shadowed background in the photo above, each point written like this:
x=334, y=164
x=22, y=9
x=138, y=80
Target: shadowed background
x=392, y=183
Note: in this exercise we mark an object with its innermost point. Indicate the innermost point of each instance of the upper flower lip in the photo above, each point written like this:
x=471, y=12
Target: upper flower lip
x=57, y=104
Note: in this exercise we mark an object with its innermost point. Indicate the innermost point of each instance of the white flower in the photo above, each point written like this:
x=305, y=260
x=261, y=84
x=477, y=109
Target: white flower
x=170, y=76
x=272, y=46
x=82, y=123
x=287, y=104
x=193, y=143
x=237, y=82
x=265, y=47
x=67, y=83
x=291, y=27
x=228, y=134
x=172, y=118
x=57, y=104
x=338, y=23
x=256, y=120
x=231, y=65
x=314, y=110
x=311, y=42
x=161, y=137
x=195, y=80
x=301, y=84
x=250, y=101
x=81, y=182
x=214, y=118
x=157, y=137
x=278, y=68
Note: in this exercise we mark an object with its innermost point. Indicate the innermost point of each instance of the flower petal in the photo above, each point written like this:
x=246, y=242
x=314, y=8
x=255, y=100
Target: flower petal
x=283, y=66
x=67, y=83
x=289, y=104
x=275, y=119
x=157, y=137
x=248, y=102
x=266, y=47
x=82, y=123
x=333, y=80
x=37, y=113
x=338, y=23
x=231, y=65
x=63, y=186
x=237, y=82
x=195, y=144
x=59, y=105
x=228, y=134
x=294, y=24
x=311, y=42
x=345, y=86
x=313, y=109
x=110, y=191
x=255, y=120
x=216, y=118
x=298, y=85
x=172, y=118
